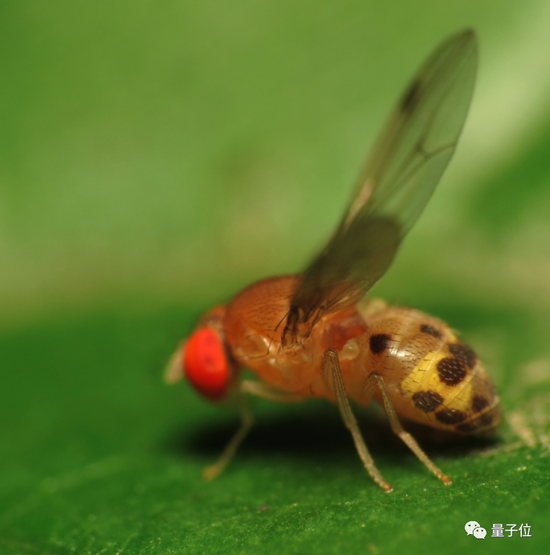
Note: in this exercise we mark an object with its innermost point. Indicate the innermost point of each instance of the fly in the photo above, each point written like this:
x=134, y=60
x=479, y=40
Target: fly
x=314, y=335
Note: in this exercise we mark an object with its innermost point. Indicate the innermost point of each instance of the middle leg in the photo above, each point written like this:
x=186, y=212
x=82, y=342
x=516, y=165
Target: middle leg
x=333, y=376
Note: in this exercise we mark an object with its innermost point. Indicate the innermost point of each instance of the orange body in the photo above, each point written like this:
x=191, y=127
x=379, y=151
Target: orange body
x=432, y=377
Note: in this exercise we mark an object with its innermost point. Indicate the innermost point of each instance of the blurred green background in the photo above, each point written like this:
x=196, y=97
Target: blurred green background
x=157, y=157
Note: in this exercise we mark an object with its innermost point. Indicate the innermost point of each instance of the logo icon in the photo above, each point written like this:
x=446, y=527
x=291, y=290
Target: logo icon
x=480, y=533
x=474, y=528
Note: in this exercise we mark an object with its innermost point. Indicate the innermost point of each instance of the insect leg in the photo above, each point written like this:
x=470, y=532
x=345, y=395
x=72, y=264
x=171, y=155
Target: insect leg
x=331, y=369
x=269, y=392
x=172, y=371
x=259, y=390
x=398, y=428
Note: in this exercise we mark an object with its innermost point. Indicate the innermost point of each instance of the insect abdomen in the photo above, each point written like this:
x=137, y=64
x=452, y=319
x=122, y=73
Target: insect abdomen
x=433, y=378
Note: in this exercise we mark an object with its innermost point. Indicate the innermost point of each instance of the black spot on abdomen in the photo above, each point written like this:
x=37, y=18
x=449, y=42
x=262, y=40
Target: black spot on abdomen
x=450, y=416
x=379, y=343
x=427, y=401
x=430, y=330
x=451, y=370
x=479, y=403
x=484, y=422
x=464, y=354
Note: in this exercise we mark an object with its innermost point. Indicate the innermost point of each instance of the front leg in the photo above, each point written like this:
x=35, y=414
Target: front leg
x=258, y=389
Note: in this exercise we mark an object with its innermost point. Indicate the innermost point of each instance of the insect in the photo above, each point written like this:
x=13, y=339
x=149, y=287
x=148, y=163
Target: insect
x=313, y=334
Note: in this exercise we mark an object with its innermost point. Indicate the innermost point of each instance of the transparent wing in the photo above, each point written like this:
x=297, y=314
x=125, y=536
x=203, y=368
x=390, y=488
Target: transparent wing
x=399, y=177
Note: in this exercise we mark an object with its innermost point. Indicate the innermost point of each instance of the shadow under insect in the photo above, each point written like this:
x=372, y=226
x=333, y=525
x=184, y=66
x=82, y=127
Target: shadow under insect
x=310, y=433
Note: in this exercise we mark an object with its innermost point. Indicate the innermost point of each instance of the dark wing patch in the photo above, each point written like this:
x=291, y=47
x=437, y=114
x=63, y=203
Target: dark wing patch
x=411, y=97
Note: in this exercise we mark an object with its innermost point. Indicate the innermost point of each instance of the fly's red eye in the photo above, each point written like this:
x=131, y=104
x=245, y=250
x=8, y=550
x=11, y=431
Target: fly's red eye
x=206, y=365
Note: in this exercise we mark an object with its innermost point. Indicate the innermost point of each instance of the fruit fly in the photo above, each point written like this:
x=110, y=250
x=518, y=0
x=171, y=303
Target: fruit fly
x=313, y=335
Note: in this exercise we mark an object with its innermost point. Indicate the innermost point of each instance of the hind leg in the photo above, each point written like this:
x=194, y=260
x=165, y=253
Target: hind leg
x=397, y=428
